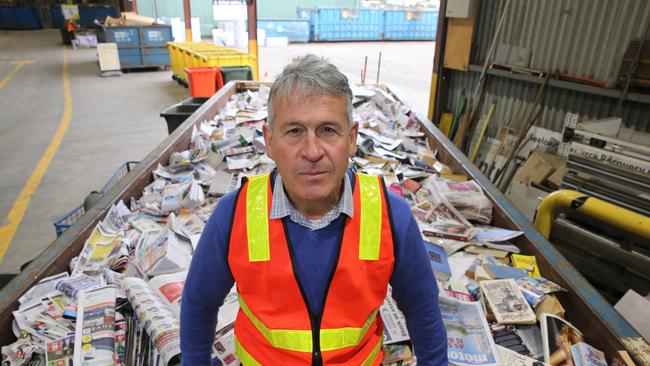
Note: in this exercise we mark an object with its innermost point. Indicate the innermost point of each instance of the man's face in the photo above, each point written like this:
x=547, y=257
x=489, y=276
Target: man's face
x=310, y=142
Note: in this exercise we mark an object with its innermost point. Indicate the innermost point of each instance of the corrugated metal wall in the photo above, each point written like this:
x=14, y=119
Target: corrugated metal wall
x=585, y=38
x=556, y=103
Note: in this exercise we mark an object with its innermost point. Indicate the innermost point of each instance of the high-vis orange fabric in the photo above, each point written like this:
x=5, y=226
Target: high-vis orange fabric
x=274, y=325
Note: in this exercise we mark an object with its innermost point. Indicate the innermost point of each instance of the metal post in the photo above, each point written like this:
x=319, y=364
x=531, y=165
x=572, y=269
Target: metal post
x=252, y=36
x=188, y=20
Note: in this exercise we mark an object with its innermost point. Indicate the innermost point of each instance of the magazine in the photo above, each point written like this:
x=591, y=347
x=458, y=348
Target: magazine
x=512, y=358
x=438, y=260
x=469, y=341
x=558, y=336
x=535, y=289
x=507, y=302
x=449, y=230
x=586, y=355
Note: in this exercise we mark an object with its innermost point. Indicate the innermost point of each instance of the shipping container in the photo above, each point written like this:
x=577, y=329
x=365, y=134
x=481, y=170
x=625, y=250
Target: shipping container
x=297, y=31
x=343, y=24
x=410, y=25
x=20, y=17
x=585, y=308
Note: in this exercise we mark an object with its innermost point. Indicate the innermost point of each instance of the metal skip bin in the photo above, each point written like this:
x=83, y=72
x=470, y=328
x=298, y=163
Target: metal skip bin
x=410, y=24
x=295, y=30
x=140, y=46
x=344, y=24
x=585, y=308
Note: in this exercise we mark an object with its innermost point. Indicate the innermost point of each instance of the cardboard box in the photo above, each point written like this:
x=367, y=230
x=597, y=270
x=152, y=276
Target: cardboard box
x=538, y=167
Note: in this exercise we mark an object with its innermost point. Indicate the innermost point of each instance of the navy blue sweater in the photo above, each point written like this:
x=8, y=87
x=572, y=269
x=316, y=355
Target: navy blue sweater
x=414, y=288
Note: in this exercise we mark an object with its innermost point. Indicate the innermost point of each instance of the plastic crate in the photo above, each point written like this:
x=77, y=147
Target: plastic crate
x=69, y=218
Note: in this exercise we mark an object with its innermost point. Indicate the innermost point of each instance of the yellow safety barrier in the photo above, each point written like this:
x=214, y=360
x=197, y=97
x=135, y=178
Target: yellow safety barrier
x=190, y=54
x=598, y=209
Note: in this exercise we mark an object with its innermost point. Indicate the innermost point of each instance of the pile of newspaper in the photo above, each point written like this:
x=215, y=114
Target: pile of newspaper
x=120, y=302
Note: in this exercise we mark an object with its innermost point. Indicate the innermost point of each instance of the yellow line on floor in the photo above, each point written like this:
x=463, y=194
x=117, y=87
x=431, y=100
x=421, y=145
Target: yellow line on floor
x=13, y=72
x=21, y=203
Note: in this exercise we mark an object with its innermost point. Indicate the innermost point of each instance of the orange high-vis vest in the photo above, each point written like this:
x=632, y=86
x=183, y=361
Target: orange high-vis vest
x=274, y=325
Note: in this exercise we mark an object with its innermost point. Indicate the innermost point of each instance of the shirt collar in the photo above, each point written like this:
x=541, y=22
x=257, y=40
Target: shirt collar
x=282, y=207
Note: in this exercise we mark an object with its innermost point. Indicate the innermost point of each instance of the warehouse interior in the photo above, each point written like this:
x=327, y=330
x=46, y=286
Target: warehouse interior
x=516, y=130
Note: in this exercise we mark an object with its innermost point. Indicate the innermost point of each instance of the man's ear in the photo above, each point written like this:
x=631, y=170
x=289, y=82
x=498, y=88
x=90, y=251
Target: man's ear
x=354, y=132
x=266, y=131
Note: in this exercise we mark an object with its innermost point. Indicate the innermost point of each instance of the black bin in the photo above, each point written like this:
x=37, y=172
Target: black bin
x=230, y=73
x=178, y=113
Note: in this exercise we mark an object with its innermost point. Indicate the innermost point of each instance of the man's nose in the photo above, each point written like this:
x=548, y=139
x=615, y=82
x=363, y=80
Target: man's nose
x=312, y=147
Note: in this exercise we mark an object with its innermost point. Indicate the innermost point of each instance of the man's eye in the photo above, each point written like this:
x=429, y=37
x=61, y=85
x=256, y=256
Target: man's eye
x=293, y=131
x=329, y=130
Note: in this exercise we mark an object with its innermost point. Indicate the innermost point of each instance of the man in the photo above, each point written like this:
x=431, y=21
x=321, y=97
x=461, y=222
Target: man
x=71, y=27
x=312, y=247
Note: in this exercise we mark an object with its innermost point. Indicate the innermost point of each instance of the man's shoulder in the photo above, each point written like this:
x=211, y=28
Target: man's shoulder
x=399, y=208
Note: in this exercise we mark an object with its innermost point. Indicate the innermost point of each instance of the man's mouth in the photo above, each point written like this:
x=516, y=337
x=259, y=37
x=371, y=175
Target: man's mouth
x=313, y=173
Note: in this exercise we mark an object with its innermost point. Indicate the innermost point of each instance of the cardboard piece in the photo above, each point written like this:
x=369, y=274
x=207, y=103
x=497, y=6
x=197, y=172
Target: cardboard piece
x=636, y=310
x=538, y=167
x=555, y=179
x=550, y=305
x=130, y=18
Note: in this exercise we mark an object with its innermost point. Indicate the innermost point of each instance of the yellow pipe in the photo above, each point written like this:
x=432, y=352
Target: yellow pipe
x=593, y=207
x=252, y=51
x=432, y=95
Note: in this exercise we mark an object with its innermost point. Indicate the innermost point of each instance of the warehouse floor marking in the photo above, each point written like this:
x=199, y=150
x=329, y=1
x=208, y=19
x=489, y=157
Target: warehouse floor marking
x=19, y=207
x=12, y=73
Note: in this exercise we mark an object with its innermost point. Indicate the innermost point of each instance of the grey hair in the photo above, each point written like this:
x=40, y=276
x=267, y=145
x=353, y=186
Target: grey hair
x=310, y=76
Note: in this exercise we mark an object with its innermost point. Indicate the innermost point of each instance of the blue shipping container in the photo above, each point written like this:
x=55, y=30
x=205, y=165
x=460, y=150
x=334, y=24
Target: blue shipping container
x=20, y=18
x=410, y=25
x=295, y=30
x=344, y=24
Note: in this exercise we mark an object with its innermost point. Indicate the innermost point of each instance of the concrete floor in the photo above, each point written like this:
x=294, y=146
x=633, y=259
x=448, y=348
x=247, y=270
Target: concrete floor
x=405, y=66
x=117, y=119
x=113, y=120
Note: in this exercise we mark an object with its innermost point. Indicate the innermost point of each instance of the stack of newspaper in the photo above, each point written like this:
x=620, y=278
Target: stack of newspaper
x=120, y=302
